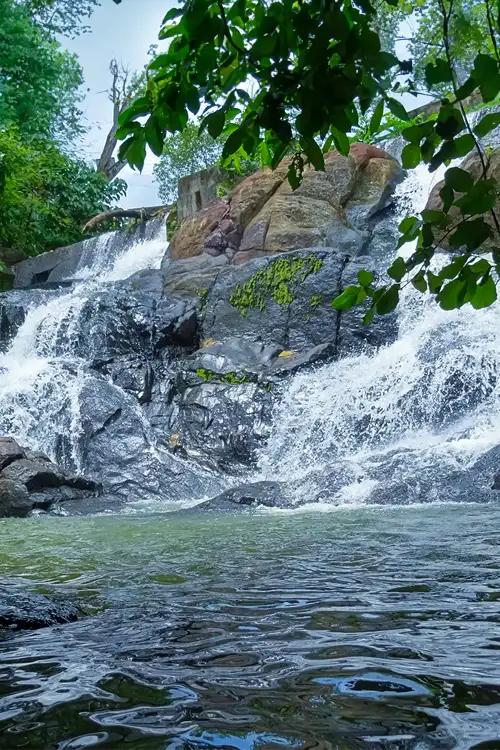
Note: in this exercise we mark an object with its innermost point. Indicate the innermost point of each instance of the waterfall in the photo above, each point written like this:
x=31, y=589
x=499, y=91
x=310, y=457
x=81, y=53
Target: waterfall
x=46, y=368
x=393, y=425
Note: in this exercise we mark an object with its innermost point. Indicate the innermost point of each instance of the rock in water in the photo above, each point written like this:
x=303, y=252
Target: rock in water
x=30, y=480
x=27, y=611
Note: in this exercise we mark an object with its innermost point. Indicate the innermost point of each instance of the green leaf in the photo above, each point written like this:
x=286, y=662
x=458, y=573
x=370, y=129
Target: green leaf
x=365, y=278
x=471, y=234
x=388, y=301
x=370, y=314
x=397, y=270
x=419, y=282
x=438, y=72
x=458, y=179
x=411, y=156
x=485, y=294
x=487, y=123
x=133, y=150
x=452, y=295
x=313, y=153
x=486, y=74
x=431, y=216
x=434, y=282
x=397, y=108
x=214, y=123
x=341, y=141
x=154, y=136
x=347, y=299
x=233, y=142
x=376, y=117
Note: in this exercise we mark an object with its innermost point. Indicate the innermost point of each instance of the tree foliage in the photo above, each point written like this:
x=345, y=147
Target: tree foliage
x=184, y=153
x=45, y=195
x=39, y=81
x=66, y=17
x=316, y=68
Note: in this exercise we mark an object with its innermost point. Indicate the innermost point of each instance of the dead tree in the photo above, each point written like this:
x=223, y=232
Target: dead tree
x=120, y=94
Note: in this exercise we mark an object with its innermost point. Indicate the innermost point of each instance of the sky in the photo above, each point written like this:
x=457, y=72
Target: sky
x=124, y=32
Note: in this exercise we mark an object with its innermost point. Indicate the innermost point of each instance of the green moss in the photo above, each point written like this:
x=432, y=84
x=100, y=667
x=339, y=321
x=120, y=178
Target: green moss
x=316, y=300
x=230, y=378
x=276, y=281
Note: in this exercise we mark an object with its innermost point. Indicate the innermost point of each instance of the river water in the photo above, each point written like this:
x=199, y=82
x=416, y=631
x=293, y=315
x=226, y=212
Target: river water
x=369, y=628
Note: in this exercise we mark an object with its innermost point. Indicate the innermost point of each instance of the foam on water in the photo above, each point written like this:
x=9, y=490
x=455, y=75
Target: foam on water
x=42, y=373
x=428, y=400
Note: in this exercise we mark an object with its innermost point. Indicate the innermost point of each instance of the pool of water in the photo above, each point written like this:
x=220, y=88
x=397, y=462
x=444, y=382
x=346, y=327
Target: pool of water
x=364, y=628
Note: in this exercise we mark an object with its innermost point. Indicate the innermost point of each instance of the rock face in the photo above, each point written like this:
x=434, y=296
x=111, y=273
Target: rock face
x=30, y=480
x=187, y=362
x=263, y=216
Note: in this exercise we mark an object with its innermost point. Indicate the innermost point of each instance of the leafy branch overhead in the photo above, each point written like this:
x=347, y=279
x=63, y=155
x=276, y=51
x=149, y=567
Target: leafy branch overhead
x=296, y=78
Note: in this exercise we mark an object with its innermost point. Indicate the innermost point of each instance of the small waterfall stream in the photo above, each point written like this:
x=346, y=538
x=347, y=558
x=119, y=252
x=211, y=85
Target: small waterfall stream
x=392, y=426
x=46, y=366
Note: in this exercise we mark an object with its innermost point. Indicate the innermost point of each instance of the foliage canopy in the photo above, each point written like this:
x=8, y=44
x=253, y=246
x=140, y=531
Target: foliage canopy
x=315, y=68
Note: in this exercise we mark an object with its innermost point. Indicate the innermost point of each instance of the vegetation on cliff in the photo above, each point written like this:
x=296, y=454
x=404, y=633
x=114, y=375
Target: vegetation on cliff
x=313, y=71
x=47, y=190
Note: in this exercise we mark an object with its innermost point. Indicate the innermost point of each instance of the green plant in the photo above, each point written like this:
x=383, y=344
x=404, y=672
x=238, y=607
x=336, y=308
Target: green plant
x=315, y=68
x=45, y=195
x=276, y=281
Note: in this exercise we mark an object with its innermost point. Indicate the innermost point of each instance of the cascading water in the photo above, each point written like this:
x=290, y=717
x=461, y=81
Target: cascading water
x=395, y=425
x=55, y=396
x=44, y=369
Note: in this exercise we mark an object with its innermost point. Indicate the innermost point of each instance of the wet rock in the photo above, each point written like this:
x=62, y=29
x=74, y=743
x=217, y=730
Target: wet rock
x=29, y=480
x=27, y=611
x=34, y=475
x=10, y=450
x=218, y=424
x=14, y=499
x=245, y=496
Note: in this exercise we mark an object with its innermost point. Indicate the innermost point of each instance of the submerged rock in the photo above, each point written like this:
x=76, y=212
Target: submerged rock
x=28, y=611
x=245, y=496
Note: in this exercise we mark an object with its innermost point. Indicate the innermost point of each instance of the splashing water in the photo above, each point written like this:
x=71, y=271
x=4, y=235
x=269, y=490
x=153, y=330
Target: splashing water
x=426, y=404
x=44, y=370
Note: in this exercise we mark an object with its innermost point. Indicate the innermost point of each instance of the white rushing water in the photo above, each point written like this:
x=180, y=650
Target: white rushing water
x=426, y=404
x=44, y=370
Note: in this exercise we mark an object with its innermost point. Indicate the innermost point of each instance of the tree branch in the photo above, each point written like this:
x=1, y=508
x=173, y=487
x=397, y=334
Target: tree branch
x=143, y=214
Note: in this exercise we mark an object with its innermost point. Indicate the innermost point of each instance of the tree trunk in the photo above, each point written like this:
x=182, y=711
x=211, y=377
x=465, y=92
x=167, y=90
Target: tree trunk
x=143, y=214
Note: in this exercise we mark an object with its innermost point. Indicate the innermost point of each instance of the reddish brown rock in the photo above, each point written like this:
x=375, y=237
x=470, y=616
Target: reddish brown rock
x=190, y=238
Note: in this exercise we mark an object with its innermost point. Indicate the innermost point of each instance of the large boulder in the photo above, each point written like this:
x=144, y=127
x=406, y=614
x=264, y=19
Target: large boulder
x=29, y=480
x=264, y=216
x=259, y=323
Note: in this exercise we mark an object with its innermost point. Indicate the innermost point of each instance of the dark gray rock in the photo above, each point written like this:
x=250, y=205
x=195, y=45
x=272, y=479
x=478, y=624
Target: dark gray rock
x=220, y=425
x=191, y=277
x=34, y=475
x=10, y=450
x=27, y=611
x=14, y=499
x=246, y=496
x=308, y=321
x=29, y=480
